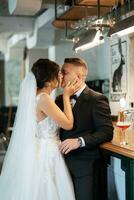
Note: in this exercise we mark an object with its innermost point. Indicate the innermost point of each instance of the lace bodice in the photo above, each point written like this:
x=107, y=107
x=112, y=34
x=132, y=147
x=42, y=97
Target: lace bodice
x=47, y=128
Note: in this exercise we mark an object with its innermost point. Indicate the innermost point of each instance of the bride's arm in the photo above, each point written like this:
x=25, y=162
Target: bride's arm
x=48, y=107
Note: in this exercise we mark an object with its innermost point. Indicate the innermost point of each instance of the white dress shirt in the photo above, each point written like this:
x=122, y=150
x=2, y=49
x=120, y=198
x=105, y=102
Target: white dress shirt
x=73, y=101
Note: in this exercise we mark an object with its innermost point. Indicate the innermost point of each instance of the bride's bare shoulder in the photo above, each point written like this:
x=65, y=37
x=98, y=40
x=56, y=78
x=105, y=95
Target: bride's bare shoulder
x=44, y=98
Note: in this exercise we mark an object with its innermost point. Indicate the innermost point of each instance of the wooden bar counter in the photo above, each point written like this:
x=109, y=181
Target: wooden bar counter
x=125, y=155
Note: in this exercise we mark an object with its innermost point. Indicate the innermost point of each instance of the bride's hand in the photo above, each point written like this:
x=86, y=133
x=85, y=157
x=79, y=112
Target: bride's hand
x=72, y=87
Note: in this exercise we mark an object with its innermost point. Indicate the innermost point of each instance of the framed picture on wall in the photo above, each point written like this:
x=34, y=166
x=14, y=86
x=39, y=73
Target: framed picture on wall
x=118, y=79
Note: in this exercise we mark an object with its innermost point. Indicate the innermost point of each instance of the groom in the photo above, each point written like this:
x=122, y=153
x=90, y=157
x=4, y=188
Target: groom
x=92, y=126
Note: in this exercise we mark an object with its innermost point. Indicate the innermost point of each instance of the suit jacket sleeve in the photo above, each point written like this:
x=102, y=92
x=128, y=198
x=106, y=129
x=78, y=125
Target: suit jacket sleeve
x=102, y=123
x=59, y=102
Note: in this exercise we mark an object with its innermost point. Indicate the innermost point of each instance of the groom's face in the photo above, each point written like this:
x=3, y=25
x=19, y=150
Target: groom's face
x=69, y=72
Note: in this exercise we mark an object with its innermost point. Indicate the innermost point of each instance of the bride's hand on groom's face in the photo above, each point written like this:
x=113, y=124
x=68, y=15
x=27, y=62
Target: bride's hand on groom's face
x=68, y=145
x=72, y=87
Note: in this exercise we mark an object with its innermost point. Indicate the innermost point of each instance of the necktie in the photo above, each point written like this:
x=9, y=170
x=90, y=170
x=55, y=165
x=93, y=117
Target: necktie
x=74, y=97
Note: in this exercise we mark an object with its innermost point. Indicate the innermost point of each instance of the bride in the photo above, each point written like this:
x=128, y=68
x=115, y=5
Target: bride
x=34, y=168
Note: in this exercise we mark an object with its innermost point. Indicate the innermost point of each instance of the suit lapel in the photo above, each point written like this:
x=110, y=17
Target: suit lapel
x=81, y=98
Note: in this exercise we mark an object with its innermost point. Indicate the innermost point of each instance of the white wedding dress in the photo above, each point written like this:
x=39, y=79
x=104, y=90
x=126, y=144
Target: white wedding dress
x=34, y=168
x=55, y=180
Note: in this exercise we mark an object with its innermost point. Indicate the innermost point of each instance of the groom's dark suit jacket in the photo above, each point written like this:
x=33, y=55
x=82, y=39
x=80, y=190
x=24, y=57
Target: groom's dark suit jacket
x=92, y=121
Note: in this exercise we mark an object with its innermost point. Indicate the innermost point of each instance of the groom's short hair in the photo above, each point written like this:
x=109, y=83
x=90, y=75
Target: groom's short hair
x=76, y=62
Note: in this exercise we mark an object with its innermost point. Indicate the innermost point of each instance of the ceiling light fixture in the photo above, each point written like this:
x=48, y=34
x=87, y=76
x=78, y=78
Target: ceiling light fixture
x=123, y=27
x=93, y=38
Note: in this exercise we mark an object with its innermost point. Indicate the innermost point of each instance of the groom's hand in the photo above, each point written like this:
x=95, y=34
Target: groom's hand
x=68, y=145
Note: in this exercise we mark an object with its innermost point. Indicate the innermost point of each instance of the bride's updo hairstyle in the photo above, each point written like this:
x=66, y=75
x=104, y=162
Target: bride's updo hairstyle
x=45, y=71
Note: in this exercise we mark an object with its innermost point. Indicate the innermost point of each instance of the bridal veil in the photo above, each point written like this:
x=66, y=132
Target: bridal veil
x=21, y=160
